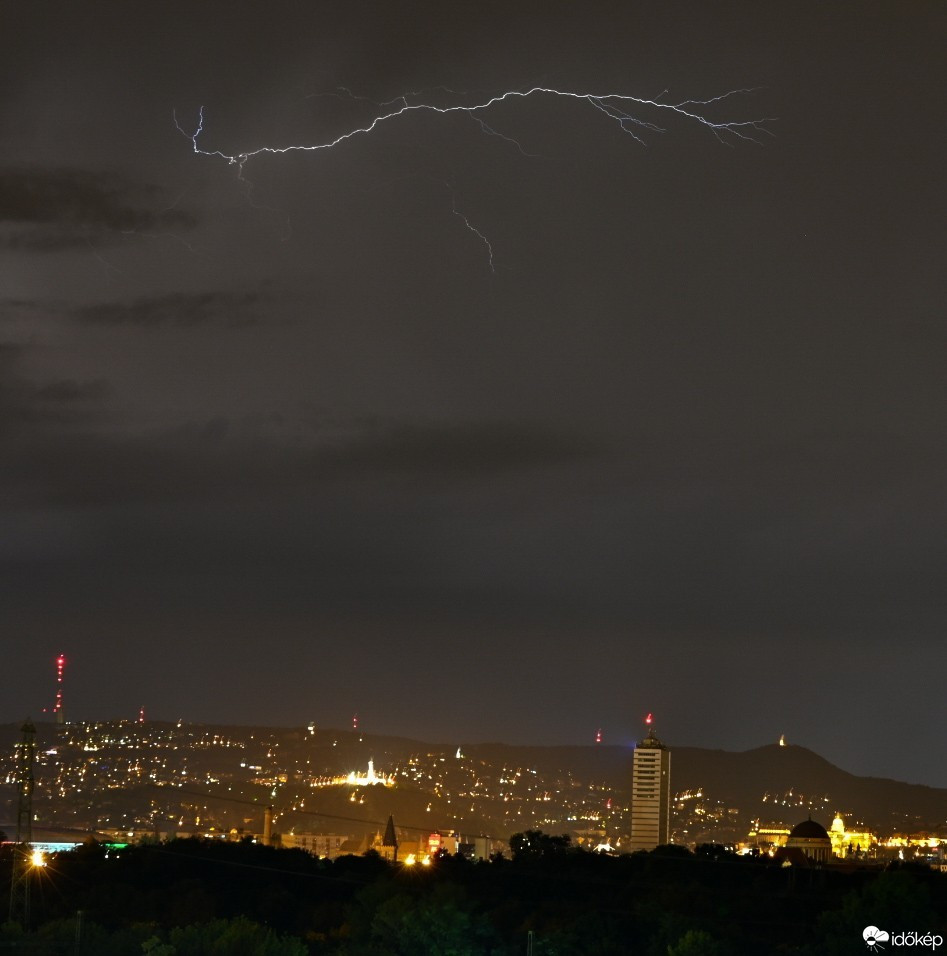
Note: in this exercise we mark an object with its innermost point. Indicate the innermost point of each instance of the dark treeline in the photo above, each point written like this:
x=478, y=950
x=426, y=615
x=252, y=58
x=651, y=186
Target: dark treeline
x=191, y=897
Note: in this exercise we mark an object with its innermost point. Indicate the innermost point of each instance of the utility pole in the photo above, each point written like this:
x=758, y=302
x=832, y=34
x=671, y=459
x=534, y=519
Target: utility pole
x=24, y=759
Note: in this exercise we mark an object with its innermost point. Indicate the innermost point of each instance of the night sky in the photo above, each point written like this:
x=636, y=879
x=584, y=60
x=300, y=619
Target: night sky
x=285, y=448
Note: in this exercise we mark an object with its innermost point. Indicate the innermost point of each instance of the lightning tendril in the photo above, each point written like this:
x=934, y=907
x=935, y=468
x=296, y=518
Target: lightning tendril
x=620, y=109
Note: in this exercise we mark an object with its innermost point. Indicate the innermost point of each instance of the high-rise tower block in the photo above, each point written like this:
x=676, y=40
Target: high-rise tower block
x=650, y=793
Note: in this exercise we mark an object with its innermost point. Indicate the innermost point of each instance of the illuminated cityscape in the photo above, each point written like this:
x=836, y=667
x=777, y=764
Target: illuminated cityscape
x=133, y=781
x=84, y=792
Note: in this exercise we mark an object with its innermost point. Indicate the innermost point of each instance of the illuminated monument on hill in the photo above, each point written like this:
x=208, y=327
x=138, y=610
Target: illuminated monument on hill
x=650, y=792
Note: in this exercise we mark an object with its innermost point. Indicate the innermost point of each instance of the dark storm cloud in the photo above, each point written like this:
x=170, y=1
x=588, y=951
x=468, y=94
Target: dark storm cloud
x=180, y=310
x=66, y=401
x=28, y=310
x=175, y=310
x=48, y=210
x=31, y=238
x=69, y=392
x=25, y=406
x=214, y=461
x=462, y=448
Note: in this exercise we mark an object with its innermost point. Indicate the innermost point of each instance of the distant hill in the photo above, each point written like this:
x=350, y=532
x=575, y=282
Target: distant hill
x=743, y=778
x=490, y=787
x=774, y=769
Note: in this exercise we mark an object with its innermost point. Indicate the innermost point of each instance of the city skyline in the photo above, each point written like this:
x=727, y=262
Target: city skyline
x=107, y=776
x=506, y=424
x=630, y=737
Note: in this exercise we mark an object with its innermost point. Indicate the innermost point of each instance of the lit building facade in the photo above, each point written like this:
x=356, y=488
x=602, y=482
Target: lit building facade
x=847, y=842
x=325, y=845
x=765, y=838
x=650, y=794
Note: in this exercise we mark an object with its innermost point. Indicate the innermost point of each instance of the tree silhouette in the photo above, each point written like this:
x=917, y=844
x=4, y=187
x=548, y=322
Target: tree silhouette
x=534, y=845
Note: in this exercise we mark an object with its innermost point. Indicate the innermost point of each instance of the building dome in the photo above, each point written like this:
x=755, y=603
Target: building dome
x=809, y=840
x=808, y=830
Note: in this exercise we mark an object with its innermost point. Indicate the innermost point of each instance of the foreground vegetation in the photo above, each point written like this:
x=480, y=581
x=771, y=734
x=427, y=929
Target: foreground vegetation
x=193, y=898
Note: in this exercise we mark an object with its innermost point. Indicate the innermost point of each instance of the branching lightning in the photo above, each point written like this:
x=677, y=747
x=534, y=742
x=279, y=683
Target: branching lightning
x=463, y=217
x=620, y=109
x=613, y=105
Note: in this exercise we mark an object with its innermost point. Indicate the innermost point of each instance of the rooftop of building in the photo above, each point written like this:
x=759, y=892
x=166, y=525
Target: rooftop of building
x=808, y=830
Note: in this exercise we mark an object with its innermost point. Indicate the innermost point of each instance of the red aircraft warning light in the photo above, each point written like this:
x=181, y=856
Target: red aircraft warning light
x=60, y=714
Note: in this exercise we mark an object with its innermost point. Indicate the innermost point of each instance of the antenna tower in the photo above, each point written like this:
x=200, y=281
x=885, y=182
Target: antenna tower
x=24, y=758
x=58, y=711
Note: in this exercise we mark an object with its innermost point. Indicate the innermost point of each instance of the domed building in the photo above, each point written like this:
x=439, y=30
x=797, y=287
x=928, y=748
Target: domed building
x=810, y=839
x=849, y=843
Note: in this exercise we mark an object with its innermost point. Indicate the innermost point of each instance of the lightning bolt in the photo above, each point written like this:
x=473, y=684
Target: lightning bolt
x=613, y=105
x=343, y=92
x=619, y=108
x=463, y=217
x=109, y=268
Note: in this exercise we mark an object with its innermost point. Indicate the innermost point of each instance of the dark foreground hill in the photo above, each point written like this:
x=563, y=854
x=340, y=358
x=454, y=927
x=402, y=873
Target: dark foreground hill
x=199, y=897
